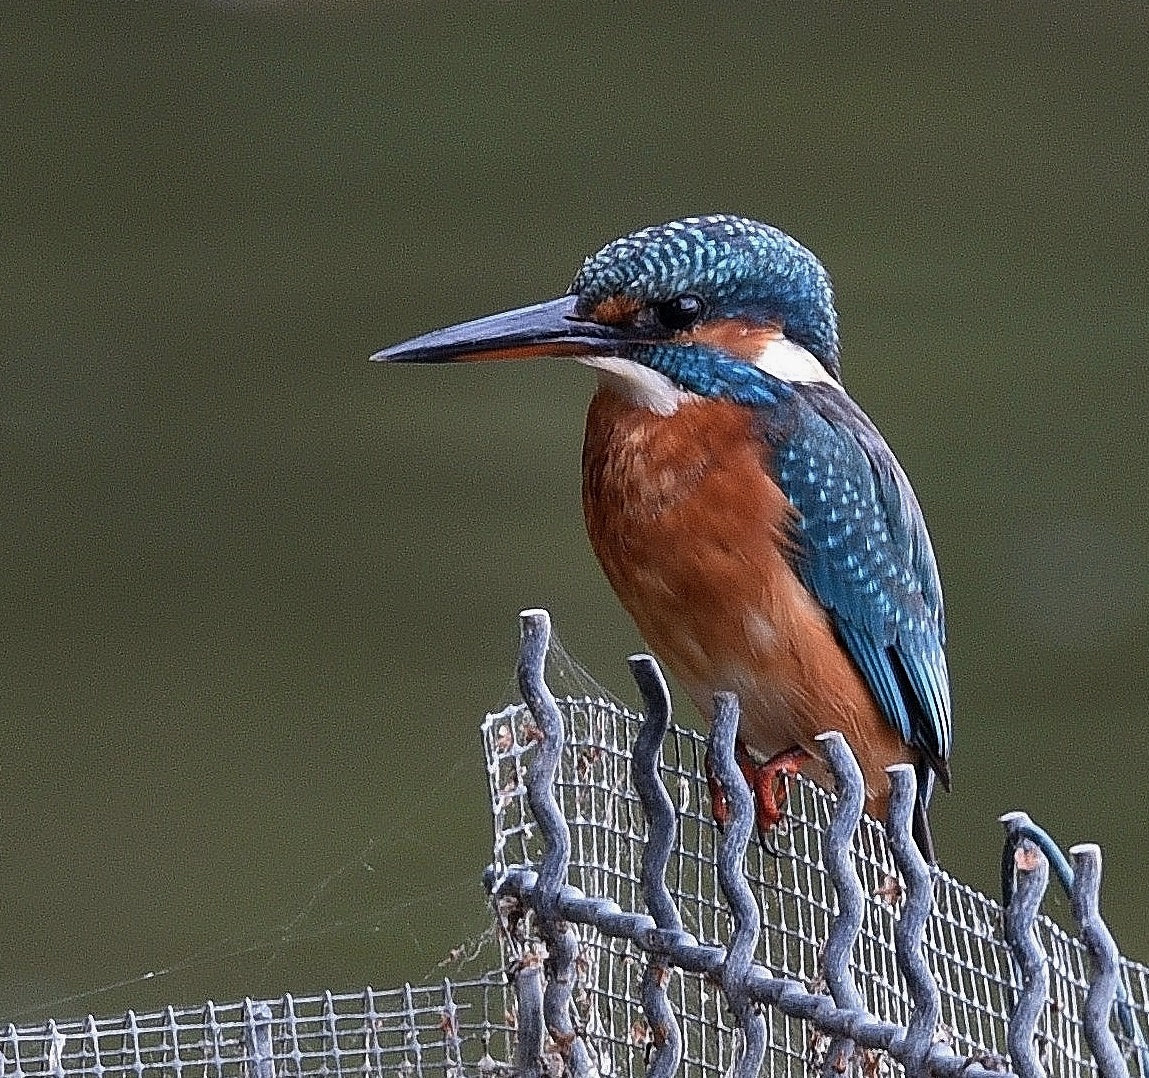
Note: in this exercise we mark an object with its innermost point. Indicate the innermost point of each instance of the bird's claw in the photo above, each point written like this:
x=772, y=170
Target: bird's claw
x=766, y=780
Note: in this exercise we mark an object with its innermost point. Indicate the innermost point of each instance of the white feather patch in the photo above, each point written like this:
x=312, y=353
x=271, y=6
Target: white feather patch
x=640, y=385
x=790, y=362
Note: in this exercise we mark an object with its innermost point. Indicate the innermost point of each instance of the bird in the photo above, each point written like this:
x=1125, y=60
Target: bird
x=746, y=511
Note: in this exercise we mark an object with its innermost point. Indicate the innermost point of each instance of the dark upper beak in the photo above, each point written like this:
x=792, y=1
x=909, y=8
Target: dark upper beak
x=543, y=329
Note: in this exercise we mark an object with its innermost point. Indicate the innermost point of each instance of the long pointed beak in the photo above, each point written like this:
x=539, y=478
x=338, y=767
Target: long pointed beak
x=541, y=330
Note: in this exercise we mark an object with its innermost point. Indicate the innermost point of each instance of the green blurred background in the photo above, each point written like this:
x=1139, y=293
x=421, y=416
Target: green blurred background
x=257, y=593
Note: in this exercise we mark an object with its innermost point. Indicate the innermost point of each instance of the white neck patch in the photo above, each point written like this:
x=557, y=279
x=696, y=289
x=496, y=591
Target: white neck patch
x=637, y=384
x=790, y=362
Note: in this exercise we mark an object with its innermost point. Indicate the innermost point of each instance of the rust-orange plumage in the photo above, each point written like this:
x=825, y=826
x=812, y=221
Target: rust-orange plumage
x=697, y=542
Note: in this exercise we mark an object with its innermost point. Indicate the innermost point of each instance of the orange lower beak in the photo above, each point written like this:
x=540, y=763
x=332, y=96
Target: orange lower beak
x=541, y=330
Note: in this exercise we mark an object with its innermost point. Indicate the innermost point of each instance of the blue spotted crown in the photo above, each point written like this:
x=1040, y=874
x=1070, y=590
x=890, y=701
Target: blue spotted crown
x=739, y=267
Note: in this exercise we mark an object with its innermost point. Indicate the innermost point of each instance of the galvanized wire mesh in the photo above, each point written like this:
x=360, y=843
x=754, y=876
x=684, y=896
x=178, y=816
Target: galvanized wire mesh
x=447, y=1030
x=582, y=848
x=977, y=976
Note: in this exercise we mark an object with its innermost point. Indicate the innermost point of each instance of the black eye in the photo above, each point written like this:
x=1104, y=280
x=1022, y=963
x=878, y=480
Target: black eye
x=681, y=312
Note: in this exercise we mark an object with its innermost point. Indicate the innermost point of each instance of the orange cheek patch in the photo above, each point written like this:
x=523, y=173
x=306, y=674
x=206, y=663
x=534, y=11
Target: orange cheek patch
x=742, y=340
x=616, y=311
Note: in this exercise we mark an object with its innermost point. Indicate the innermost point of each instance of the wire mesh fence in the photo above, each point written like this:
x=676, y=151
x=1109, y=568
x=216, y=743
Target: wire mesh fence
x=444, y=1030
x=979, y=981
x=638, y=940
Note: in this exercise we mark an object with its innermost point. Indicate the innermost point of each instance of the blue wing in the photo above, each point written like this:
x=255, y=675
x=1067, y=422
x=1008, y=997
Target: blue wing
x=864, y=553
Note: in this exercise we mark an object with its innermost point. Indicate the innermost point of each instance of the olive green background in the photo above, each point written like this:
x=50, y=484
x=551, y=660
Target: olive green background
x=257, y=593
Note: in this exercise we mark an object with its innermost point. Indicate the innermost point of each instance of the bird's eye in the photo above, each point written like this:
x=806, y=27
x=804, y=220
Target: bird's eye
x=680, y=312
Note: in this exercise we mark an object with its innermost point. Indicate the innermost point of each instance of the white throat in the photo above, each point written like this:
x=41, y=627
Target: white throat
x=641, y=386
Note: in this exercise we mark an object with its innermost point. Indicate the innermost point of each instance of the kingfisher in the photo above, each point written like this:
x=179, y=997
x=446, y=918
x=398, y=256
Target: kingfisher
x=748, y=514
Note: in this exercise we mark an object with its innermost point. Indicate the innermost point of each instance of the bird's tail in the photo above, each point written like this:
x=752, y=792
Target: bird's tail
x=920, y=826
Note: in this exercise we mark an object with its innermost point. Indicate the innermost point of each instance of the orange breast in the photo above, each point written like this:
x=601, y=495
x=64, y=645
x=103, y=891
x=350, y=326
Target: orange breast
x=693, y=533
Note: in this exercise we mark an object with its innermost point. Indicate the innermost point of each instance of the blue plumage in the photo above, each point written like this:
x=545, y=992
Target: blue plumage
x=709, y=373
x=864, y=552
x=739, y=266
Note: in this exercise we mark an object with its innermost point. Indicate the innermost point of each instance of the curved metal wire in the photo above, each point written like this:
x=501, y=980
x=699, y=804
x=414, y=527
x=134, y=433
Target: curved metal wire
x=745, y=984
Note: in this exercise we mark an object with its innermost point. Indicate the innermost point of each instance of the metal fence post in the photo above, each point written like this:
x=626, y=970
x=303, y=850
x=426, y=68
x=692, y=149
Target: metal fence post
x=1030, y=880
x=1104, y=959
x=732, y=879
x=561, y=941
x=661, y=833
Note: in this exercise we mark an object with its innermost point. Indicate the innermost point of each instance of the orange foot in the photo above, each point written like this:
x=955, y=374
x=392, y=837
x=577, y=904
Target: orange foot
x=768, y=782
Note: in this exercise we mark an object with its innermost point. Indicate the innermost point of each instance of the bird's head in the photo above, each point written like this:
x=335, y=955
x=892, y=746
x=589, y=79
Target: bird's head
x=716, y=306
